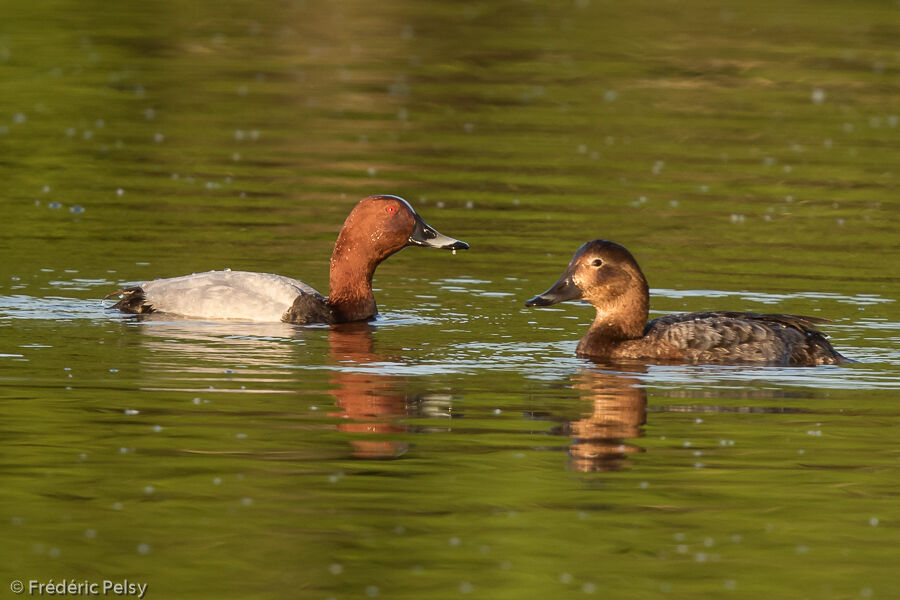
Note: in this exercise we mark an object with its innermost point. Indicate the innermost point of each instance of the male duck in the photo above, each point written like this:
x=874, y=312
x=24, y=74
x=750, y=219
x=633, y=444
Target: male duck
x=376, y=228
x=606, y=275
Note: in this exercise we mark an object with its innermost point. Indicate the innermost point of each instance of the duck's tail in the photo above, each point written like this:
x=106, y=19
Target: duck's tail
x=131, y=300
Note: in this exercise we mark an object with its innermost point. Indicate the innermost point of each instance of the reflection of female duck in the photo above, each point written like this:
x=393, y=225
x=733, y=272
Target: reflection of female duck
x=372, y=402
x=619, y=412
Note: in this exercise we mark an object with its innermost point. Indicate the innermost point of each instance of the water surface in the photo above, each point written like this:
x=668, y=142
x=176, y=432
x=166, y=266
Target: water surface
x=747, y=155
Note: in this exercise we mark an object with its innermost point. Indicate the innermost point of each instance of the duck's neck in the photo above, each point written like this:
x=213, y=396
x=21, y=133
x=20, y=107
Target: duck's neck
x=351, y=296
x=621, y=319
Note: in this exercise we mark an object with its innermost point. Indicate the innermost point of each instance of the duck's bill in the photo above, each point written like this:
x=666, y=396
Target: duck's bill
x=428, y=236
x=562, y=290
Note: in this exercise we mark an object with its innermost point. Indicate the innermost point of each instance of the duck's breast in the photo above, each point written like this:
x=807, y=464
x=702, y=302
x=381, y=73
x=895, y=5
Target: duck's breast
x=226, y=295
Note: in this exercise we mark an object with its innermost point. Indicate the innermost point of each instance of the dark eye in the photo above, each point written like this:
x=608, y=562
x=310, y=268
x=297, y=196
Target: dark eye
x=391, y=209
x=597, y=263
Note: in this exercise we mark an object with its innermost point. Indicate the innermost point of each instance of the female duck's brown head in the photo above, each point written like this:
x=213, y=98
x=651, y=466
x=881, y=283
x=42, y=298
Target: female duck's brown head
x=376, y=228
x=606, y=275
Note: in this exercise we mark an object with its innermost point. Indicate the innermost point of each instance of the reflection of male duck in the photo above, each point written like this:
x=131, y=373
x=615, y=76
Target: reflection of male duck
x=372, y=402
x=619, y=413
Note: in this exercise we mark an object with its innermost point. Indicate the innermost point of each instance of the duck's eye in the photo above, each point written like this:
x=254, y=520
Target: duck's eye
x=597, y=263
x=390, y=209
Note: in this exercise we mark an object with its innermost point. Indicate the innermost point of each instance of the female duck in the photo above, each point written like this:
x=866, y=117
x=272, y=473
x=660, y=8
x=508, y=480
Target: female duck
x=376, y=228
x=606, y=275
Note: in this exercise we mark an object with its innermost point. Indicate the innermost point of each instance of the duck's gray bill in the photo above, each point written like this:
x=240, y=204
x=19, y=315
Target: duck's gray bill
x=562, y=290
x=425, y=235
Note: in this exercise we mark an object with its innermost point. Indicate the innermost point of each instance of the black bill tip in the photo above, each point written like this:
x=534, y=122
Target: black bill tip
x=539, y=301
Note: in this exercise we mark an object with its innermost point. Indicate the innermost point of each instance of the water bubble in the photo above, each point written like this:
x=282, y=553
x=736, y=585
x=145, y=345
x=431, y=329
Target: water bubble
x=371, y=171
x=657, y=167
x=818, y=96
x=465, y=587
x=873, y=521
x=610, y=95
x=589, y=588
x=54, y=206
x=565, y=578
x=335, y=569
x=120, y=192
x=77, y=209
x=90, y=533
x=247, y=501
x=372, y=591
x=468, y=127
x=158, y=137
x=143, y=548
x=19, y=118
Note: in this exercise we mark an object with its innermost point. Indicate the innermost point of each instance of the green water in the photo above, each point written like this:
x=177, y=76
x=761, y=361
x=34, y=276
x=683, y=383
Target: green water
x=747, y=154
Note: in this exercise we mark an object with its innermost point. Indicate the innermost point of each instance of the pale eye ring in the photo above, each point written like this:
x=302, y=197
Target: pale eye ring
x=597, y=262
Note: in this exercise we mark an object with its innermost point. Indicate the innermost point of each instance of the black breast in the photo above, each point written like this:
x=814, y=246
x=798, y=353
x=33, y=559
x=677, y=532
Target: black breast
x=309, y=308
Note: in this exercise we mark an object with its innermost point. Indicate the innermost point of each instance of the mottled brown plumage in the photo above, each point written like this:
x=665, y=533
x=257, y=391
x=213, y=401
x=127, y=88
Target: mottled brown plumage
x=606, y=275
